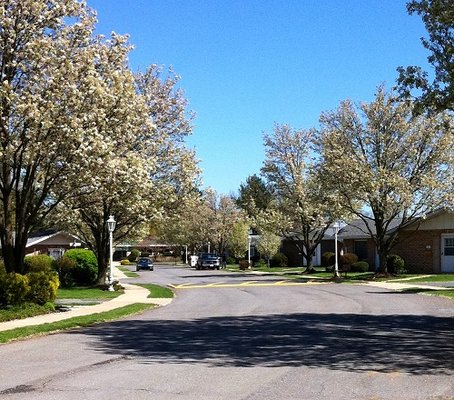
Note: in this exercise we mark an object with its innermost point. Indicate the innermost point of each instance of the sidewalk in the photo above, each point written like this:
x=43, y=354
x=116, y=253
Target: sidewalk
x=133, y=294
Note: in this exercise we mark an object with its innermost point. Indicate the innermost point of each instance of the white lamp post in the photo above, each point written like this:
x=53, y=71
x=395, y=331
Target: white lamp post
x=249, y=240
x=111, y=227
x=209, y=248
x=186, y=253
x=336, y=264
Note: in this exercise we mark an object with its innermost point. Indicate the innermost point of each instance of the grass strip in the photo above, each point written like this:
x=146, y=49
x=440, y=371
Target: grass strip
x=75, y=322
x=158, y=292
x=128, y=273
x=432, y=278
x=25, y=311
x=87, y=293
x=448, y=293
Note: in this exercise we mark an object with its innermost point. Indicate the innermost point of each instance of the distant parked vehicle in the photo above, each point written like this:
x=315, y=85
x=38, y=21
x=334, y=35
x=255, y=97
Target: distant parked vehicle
x=208, y=261
x=144, y=263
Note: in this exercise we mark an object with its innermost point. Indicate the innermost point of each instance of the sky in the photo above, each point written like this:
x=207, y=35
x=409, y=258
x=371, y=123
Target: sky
x=248, y=64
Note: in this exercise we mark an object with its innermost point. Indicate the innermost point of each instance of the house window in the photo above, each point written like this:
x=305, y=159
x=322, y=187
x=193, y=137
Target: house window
x=360, y=249
x=449, y=246
x=56, y=253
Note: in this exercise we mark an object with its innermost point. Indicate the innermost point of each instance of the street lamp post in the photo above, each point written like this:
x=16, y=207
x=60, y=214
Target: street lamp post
x=249, y=239
x=209, y=248
x=336, y=263
x=111, y=227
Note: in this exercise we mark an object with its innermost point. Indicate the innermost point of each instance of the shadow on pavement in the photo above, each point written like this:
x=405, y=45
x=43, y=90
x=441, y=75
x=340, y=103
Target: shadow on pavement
x=348, y=342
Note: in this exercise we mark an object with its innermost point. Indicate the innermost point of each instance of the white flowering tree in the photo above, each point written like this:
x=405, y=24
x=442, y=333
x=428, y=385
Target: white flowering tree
x=238, y=239
x=148, y=170
x=396, y=166
x=305, y=207
x=202, y=218
x=49, y=80
x=268, y=245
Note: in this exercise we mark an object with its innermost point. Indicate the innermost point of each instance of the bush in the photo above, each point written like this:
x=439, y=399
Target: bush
x=38, y=263
x=86, y=269
x=134, y=255
x=279, y=260
x=347, y=259
x=43, y=287
x=395, y=264
x=13, y=288
x=125, y=262
x=2, y=268
x=261, y=263
x=65, y=268
x=244, y=264
x=230, y=261
x=328, y=259
x=360, y=266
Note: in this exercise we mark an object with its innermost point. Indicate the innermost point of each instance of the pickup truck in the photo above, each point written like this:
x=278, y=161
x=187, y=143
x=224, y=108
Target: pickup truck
x=208, y=261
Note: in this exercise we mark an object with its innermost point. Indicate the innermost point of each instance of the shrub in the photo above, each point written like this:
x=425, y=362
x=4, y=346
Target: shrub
x=279, y=260
x=65, y=268
x=395, y=264
x=43, y=287
x=230, y=261
x=86, y=269
x=125, y=262
x=328, y=259
x=2, y=268
x=13, y=289
x=261, y=263
x=244, y=264
x=348, y=259
x=38, y=263
x=134, y=255
x=360, y=266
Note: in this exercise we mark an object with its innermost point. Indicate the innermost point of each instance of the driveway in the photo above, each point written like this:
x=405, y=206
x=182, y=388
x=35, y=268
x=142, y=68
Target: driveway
x=230, y=336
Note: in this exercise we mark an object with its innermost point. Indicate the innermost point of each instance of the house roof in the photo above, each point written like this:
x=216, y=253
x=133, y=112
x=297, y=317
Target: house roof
x=152, y=242
x=358, y=229
x=41, y=236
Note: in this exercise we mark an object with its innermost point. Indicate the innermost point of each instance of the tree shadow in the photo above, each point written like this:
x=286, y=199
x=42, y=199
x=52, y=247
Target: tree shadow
x=348, y=342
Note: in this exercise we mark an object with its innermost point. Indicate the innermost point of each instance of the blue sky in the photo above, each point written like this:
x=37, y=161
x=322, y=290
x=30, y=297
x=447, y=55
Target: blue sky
x=246, y=64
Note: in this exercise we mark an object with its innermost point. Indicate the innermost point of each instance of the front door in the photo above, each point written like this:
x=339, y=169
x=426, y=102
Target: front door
x=447, y=253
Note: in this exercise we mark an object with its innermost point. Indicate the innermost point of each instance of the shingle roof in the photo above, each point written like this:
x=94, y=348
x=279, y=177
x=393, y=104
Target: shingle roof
x=357, y=229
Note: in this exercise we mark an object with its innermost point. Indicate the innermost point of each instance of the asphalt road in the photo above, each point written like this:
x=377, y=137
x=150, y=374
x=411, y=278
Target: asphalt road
x=230, y=336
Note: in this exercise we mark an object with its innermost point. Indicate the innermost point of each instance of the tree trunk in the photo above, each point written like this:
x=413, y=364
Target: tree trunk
x=102, y=255
x=382, y=256
x=308, y=256
x=309, y=268
x=13, y=249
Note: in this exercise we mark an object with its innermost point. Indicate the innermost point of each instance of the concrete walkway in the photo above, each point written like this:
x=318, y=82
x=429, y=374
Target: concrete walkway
x=133, y=294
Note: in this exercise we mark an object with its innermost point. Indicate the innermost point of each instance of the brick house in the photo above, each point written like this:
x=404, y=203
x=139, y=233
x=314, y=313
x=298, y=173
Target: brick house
x=51, y=242
x=426, y=245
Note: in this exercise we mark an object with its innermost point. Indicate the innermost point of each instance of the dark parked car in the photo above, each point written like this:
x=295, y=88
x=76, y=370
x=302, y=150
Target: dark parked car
x=144, y=263
x=208, y=260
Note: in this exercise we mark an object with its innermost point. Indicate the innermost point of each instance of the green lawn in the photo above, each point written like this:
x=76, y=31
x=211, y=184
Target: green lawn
x=431, y=278
x=157, y=291
x=449, y=293
x=86, y=320
x=86, y=293
x=24, y=311
x=128, y=273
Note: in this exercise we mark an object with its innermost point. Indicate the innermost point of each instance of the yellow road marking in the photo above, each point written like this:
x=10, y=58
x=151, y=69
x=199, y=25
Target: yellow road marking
x=243, y=284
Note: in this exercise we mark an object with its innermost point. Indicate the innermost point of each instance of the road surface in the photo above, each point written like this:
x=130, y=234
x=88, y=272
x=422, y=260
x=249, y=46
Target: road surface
x=231, y=336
